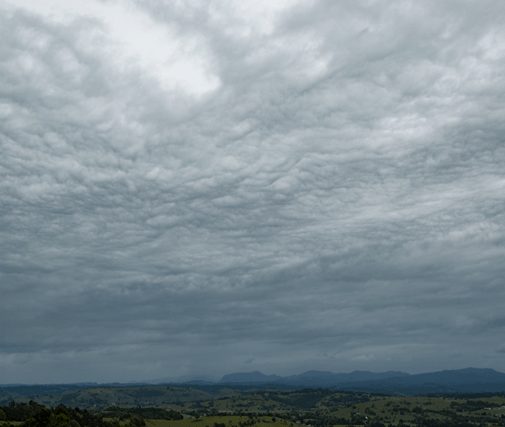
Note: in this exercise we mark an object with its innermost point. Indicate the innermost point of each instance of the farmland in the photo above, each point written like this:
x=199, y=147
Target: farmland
x=199, y=406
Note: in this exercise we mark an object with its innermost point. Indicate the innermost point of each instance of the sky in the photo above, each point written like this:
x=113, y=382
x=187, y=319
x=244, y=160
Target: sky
x=189, y=189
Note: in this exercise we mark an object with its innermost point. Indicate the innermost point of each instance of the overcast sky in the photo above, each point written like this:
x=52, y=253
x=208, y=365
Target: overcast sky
x=191, y=188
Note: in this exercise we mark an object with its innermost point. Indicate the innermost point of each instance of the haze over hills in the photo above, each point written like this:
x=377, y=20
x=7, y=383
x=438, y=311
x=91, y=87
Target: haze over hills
x=312, y=378
x=468, y=380
x=254, y=377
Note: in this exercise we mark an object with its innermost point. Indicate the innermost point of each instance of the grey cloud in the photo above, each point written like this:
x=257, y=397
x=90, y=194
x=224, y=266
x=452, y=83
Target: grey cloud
x=336, y=202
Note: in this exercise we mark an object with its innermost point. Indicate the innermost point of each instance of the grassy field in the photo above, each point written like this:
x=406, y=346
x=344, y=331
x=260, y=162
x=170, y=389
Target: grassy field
x=227, y=420
x=220, y=420
x=309, y=407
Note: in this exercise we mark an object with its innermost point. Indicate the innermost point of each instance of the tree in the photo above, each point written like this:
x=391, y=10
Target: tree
x=137, y=421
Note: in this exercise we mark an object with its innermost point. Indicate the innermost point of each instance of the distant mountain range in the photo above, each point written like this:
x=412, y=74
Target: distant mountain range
x=469, y=380
x=309, y=378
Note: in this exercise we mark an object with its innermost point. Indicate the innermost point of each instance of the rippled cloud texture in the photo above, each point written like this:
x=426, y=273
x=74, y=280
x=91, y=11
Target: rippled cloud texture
x=199, y=187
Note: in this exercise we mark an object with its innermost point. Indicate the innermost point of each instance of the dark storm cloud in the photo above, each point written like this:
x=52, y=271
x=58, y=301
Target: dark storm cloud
x=328, y=195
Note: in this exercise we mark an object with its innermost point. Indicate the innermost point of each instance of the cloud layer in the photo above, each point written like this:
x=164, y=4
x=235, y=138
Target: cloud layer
x=197, y=188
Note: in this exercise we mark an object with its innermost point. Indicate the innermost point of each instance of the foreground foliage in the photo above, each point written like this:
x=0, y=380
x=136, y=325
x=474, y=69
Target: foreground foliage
x=32, y=414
